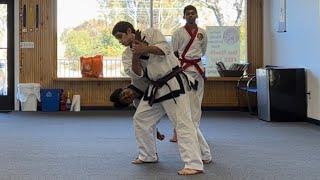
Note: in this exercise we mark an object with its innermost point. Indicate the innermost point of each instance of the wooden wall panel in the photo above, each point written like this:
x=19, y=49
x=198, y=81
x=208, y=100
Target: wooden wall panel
x=220, y=93
x=38, y=65
x=93, y=93
x=255, y=34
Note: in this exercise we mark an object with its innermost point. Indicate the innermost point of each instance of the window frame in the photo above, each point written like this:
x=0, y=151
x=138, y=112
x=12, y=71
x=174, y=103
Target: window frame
x=151, y=20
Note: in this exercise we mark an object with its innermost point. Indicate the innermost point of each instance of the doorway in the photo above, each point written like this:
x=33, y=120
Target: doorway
x=6, y=55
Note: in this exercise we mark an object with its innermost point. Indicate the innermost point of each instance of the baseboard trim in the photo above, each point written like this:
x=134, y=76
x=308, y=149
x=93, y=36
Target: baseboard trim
x=204, y=108
x=229, y=108
x=130, y=108
x=102, y=108
x=313, y=121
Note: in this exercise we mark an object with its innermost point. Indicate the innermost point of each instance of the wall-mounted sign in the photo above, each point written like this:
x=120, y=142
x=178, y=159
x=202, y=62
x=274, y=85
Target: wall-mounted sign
x=223, y=46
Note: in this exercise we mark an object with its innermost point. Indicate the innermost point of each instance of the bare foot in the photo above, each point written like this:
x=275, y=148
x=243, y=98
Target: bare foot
x=174, y=136
x=160, y=136
x=173, y=139
x=187, y=171
x=138, y=161
x=207, y=161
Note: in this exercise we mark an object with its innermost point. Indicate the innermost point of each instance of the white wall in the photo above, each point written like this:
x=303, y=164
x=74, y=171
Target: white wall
x=299, y=46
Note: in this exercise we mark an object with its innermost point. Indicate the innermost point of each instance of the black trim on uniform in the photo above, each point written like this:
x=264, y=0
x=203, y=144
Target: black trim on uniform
x=136, y=90
x=171, y=95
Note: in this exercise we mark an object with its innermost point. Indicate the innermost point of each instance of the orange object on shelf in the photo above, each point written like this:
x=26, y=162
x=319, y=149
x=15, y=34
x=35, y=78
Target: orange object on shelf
x=92, y=66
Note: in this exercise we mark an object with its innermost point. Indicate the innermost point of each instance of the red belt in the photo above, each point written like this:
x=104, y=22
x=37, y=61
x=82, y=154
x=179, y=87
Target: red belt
x=185, y=63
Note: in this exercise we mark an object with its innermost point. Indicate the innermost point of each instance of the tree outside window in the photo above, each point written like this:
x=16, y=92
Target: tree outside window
x=87, y=29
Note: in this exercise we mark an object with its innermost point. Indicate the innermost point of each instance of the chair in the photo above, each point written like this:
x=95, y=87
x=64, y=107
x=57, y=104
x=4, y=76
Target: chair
x=247, y=84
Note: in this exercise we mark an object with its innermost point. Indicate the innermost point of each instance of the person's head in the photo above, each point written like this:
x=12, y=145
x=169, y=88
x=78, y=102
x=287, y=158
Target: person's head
x=190, y=14
x=122, y=98
x=124, y=32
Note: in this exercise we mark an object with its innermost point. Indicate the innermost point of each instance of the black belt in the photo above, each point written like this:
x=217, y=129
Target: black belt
x=163, y=81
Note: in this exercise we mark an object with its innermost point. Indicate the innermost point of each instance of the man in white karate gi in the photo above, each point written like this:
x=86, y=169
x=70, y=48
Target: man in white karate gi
x=165, y=95
x=189, y=45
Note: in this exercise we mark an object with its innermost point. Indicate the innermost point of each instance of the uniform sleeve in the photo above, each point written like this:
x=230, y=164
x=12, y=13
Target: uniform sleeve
x=126, y=61
x=127, y=65
x=175, y=41
x=205, y=43
x=160, y=41
x=141, y=84
x=134, y=76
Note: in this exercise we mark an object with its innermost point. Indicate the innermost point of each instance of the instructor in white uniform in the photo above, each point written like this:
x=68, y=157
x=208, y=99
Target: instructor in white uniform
x=165, y=94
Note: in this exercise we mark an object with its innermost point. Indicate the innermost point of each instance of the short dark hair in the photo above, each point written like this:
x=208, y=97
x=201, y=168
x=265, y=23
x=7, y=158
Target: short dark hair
x=114, y=97
x=122, y=26
x=189, y=7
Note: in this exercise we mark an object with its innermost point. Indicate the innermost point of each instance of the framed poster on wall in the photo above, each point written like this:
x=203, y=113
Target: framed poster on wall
x=223, y=46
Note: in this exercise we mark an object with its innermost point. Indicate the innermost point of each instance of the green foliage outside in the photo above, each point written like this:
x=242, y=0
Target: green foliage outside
x=94, y=36
x=89, y=39
x=243, y=42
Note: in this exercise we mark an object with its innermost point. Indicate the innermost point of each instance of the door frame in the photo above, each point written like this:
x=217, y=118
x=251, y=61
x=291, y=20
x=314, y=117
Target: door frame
x=7, y=102
x=16, y=52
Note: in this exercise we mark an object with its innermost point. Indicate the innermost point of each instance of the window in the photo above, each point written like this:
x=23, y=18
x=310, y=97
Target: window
x=3, y=50
x=86, y=30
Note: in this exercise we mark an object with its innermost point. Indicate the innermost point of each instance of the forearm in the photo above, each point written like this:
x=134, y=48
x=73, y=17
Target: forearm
x=154, y=50
x=176, y=54
x=136, y=66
